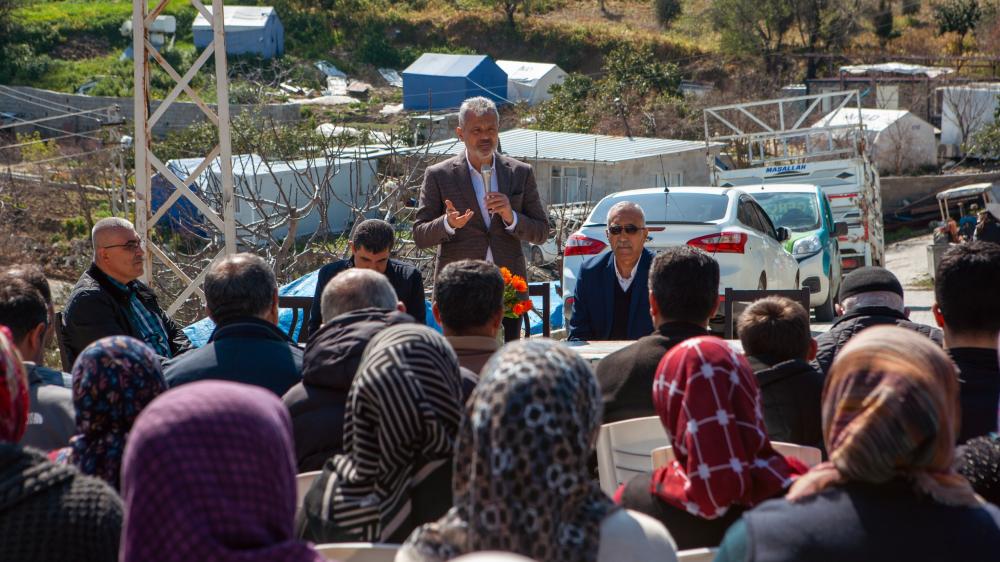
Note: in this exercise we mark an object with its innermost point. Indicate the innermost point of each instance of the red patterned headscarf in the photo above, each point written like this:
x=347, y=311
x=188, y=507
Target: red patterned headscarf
x=707, y=398
x=13, y=391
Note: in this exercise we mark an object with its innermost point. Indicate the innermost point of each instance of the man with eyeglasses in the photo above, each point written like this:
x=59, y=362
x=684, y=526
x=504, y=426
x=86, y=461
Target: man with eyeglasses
x=110, y=300
x=612, y=290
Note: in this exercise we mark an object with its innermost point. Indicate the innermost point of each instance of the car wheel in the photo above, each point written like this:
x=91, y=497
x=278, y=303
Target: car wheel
x=762, y=282
x=825, y=312
x=536, y=256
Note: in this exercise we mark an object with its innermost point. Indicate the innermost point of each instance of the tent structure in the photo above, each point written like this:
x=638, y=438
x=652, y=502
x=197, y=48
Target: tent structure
x=899, y=140
x=250, y=30
x=439, y=81
x=530, y=81
x=965, y=110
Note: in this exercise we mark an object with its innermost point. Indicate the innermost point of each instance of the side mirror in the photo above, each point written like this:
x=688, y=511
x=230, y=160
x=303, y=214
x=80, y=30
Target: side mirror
x=840, y=229
x=783, y=234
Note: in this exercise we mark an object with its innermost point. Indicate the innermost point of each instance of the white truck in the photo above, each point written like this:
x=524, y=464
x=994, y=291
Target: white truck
x=782, y=141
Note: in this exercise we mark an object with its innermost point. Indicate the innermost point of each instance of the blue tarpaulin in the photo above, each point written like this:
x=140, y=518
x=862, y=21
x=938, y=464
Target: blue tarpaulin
x=443, y=81
x=305, y=286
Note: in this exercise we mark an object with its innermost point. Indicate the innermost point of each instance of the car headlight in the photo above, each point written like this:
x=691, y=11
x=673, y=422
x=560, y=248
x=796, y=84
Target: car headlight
x=806, y=246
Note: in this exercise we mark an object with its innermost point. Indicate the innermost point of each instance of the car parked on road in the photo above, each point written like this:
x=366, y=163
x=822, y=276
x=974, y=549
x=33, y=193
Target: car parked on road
x=725, y=222
x=805, y=212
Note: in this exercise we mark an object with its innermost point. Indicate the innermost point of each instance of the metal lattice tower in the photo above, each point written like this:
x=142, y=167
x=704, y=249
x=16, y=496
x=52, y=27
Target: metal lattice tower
x=146, y=161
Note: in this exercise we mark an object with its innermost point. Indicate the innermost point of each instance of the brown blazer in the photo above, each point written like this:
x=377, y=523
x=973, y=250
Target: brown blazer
x=451, y=180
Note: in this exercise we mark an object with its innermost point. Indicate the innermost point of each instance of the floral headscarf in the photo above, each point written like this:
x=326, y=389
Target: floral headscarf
x=13, y=391
x=521, y=482
x=114, y=378
x=708, y=401
x=890, y=409
x=208, y=475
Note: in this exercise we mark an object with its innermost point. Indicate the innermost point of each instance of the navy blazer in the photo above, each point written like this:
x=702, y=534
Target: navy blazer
x=405, y=279
x=593, y=309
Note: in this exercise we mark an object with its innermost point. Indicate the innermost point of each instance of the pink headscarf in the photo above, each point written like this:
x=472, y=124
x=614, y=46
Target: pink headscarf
x=13, y=390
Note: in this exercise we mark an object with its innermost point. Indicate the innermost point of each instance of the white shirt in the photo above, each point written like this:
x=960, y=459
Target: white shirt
x=624, y=282
x=478, y=186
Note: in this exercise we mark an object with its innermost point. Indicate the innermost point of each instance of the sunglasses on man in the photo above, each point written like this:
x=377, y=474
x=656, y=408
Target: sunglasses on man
x=629, y=229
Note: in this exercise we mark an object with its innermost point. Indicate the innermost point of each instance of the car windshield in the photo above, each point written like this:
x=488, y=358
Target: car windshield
x=794, y=211
x=665, y=208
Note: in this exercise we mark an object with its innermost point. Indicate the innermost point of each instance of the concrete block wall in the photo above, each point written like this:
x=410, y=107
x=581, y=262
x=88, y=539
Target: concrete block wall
x=33, y=103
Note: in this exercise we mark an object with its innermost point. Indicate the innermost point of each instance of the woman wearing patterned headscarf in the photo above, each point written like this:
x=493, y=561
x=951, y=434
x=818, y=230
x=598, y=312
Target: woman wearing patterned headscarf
x=521, y=480
x=195, y=490
x=113, y=380
x=400, y=423
x=47, y=512
x=708, y=401
x=890, y=418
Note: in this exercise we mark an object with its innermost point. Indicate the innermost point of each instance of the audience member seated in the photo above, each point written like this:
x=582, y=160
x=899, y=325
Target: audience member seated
x=208, y=475
x=778, y=345
x=109, y=299
x=468, y=304
x=869, y=296
x=707, y=398
x=241, y=297
x=521, y=483
x=113, y=380
x=370, y=246
x=610, y=294
x=979, y=461
x=34, y=276
x=889, y=492
x=23, y=310
x=48, y=513
x=683, y=296
x=967, y=307
x=356, y=305
x=400, y=425
x=988, y=224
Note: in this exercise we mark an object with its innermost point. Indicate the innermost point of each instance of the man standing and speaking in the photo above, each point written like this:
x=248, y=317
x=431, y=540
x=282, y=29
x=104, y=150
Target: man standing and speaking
x=480, y=204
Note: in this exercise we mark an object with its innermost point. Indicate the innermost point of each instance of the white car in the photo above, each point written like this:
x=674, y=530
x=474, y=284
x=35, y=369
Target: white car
x=725, y=222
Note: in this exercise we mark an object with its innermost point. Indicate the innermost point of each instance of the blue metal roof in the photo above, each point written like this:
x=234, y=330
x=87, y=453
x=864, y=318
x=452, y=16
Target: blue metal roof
x=437, y=64
x=549, y=145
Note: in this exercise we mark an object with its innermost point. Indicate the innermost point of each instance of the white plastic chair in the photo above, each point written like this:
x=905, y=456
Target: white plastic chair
x=697, y=555
x=358, y=551
x=810, y=456
x=624, y=448
x=302, y=483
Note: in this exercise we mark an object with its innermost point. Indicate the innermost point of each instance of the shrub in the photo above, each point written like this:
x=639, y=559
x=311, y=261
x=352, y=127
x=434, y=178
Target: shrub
x=666, y=11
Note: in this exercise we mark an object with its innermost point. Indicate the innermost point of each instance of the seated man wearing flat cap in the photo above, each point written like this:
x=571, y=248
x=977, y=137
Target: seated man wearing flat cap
x=869, y=296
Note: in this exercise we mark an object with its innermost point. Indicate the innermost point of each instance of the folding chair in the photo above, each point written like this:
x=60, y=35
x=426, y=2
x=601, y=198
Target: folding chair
x=624, y=450
x=296, y=304
x=539, y=290
x=358, y=551
x=302, y=484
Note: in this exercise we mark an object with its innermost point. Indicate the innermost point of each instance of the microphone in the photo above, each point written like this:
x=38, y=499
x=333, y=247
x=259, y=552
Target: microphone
x=487, y=172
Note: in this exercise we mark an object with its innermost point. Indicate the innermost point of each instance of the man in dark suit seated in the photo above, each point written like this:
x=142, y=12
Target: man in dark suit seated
x=109, y=299
x=247, y=346
x=497, y=195
x=370, y=245
x=611, y=293
x=683, y=296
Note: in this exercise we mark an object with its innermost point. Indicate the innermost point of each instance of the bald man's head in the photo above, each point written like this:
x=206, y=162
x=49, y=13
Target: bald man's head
x=118, y=250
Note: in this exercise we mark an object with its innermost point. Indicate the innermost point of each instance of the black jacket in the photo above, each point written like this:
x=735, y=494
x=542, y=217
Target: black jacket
x=405, y=279
x=870, y=523
x=979, y=376
x=626, y=376
x=791, y=393
x=97, y=309
x=331, y=359
x=845, y=327
x=51, y=512
x=247, y=350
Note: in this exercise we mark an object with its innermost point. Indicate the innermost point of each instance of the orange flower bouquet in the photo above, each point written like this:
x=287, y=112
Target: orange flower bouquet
x=513, y=287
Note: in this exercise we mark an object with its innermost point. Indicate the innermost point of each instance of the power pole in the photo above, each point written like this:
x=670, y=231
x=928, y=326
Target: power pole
x=145, y=159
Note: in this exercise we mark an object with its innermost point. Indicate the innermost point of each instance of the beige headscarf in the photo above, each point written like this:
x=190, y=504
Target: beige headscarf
x=890, y=409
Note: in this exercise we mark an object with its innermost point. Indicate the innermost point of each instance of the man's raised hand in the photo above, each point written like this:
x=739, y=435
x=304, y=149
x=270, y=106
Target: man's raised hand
x=456, y=220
